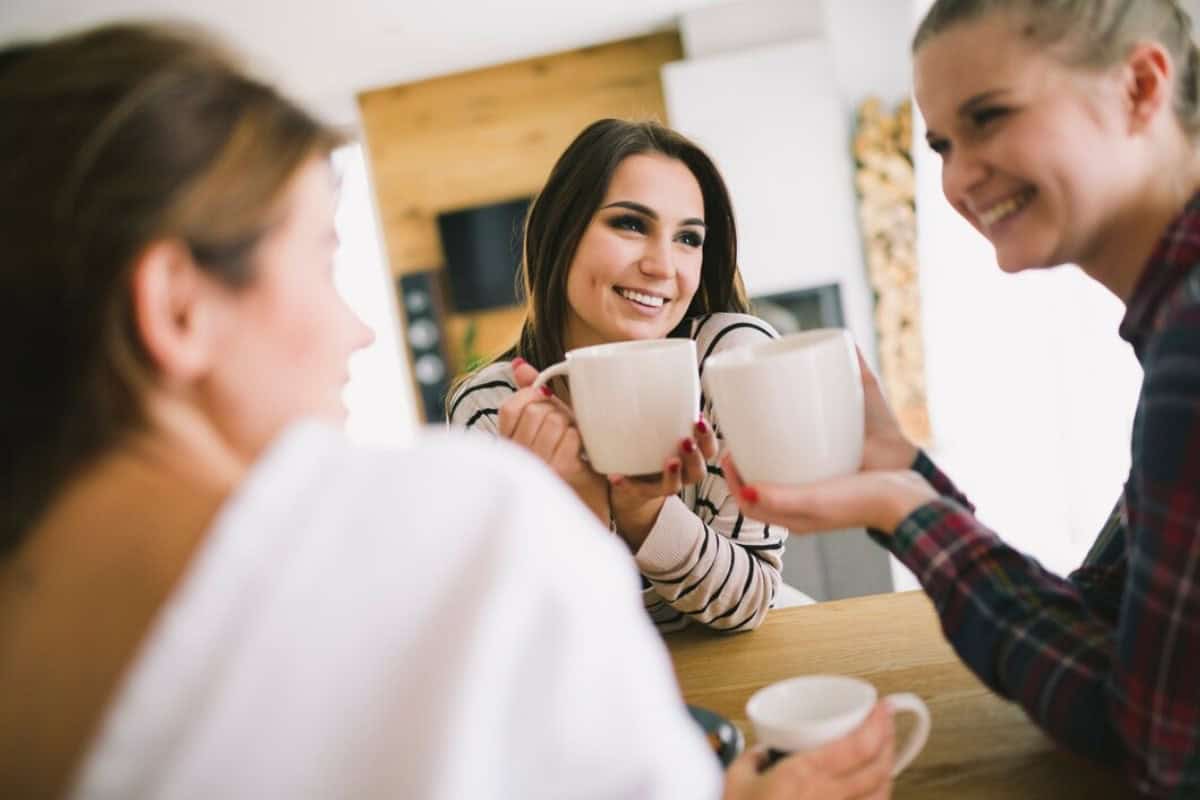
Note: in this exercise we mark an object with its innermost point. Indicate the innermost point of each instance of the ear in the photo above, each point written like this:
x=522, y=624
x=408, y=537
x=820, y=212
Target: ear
x=174, y=313
x=1149, y=80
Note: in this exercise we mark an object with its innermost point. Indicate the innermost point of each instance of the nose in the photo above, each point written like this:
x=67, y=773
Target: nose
x=358, y=334
x=961, y=174
x=364, y=335
x=657, y=259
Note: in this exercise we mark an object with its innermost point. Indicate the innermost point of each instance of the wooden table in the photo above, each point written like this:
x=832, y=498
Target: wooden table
x=980, y=746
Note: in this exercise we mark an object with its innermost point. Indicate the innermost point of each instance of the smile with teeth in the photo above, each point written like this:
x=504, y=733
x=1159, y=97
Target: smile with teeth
x=1006, y=208
x=641, y=298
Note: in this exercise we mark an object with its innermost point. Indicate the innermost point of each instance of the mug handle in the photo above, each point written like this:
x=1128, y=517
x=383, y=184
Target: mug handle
x=906, y=701
x=548, y=373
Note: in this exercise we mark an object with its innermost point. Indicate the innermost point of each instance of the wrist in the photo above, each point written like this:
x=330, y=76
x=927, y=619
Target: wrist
x=908, y=492
x=634, y=523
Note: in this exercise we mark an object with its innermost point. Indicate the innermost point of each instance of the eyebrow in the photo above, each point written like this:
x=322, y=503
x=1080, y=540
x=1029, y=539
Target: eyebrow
x=649, y=212
x=970, y=105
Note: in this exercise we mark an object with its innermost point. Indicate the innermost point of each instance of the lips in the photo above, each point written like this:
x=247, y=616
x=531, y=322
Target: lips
x=1005, y=208
x=641, y=298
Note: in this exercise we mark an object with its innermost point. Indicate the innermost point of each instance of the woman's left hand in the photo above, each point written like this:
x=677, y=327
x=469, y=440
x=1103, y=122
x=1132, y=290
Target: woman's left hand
x=878, y=499
x=636, y=501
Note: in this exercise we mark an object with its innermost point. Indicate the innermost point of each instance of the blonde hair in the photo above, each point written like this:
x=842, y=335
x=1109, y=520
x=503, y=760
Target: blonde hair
x=1097, y=33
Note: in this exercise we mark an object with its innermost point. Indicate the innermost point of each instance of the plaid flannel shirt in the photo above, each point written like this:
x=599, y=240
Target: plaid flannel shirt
x=1106, y=661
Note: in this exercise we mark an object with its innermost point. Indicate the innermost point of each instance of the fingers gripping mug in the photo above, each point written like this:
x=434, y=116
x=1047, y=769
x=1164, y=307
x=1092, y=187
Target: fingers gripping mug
x=634, y=402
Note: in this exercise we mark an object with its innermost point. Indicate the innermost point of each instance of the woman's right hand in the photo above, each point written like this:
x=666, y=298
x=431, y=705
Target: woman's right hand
x=855, y=767
x=544, y=424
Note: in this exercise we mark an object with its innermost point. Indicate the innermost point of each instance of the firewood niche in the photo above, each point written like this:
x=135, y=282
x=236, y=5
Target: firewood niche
x=887, y=215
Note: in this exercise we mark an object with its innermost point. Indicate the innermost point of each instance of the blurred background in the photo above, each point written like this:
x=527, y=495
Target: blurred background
x=1018, y=386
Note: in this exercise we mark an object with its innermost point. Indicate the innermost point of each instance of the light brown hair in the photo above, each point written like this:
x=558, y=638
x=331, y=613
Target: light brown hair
x=1094, y=33
x=114, y=138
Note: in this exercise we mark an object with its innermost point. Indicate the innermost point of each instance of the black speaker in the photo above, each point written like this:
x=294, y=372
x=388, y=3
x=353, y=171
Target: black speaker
x=421, y=297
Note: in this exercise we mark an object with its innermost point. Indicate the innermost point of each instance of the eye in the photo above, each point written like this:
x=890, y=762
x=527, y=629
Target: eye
x=691, y=239
x=939, y=146
x=980, y=118
x=628, y=222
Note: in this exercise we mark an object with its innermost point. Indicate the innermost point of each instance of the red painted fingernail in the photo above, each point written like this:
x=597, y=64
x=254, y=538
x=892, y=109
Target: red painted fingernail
x=701, y=425
x=673, y=467
x=688, y=446
x=749, y=494
x=545, y=390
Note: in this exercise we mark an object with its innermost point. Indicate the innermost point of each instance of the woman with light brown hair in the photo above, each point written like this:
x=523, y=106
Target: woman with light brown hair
x=205, y=591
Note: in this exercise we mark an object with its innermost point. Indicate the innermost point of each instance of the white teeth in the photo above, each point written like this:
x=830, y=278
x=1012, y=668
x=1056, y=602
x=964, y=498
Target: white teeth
x=1006, y=208
x=638, y=297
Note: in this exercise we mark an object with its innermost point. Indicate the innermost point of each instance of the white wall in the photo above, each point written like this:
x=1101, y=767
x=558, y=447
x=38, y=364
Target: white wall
x=774, y=124
x=379, y=397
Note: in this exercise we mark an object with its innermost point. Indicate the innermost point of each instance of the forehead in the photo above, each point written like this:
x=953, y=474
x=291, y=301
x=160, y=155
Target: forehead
x=657, y=181
x=973, y=57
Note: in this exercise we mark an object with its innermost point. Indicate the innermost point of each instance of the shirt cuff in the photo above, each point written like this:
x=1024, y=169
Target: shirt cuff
x=673, y=539
x=923, y=465
x=934, y=532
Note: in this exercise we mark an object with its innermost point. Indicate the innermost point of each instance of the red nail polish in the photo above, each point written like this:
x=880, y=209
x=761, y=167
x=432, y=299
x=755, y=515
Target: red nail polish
x=673, y=467
x=689, y=446
x=545, y=390
x=749, y=494
x=701, y=425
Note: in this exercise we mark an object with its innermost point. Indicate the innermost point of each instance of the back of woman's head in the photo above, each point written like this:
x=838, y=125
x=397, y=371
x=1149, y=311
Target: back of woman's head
x=574, y=191
x=1090, y=33
x=112, y=139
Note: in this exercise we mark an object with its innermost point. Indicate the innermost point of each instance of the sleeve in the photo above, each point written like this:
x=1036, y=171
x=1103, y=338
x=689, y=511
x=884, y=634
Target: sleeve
x=1124, y=689
x=709, y=563
x=594, y=673
x=476, y=406
x=714, y=565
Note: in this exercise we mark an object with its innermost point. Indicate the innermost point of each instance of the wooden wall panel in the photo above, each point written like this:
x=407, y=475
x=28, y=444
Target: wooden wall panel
x=493, y=134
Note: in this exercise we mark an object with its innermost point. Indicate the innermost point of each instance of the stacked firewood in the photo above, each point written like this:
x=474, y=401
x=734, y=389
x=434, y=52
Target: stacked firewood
x=887, y=214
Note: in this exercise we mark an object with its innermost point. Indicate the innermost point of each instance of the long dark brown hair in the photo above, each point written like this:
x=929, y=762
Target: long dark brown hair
x=112, y=139
x=564, y=208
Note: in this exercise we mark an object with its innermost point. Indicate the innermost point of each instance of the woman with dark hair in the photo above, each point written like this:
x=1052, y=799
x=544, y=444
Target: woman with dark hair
x=205, y=591
x=633, y=237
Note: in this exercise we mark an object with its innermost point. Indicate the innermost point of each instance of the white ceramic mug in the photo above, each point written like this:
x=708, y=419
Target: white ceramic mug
x=802, y=714
x=790, y=410
x=634, y=402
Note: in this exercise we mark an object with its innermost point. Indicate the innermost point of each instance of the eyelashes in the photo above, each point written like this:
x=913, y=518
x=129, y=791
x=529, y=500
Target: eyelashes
x=637, y=224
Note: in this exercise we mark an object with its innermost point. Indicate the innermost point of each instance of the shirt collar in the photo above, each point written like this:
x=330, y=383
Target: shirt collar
x=1175, y=255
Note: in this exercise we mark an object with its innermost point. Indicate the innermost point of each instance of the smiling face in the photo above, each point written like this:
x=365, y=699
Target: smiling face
x=638, y=263
x=1035, y=152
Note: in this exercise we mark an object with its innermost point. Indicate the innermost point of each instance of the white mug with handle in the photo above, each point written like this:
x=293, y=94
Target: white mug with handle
x=634, y=402
x=801, y=714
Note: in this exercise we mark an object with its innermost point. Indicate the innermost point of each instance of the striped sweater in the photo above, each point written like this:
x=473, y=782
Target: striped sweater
x=703, y=560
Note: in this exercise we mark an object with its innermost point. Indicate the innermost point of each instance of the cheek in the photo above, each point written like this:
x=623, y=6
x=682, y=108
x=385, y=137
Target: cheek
x=689, y=277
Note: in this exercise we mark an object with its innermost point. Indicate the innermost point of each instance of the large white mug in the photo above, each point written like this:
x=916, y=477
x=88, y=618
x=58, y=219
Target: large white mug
x=634, y=402
x=790, y=410
x=802, y=714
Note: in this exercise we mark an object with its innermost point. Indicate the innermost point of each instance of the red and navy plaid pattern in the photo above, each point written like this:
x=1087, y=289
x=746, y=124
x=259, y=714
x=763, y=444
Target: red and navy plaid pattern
x=1106, y=661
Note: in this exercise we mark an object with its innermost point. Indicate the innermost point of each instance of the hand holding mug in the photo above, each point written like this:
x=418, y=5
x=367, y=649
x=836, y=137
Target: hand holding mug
x=545, y=425
x=637, y=500
x=859, y=765
x=884, y=444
